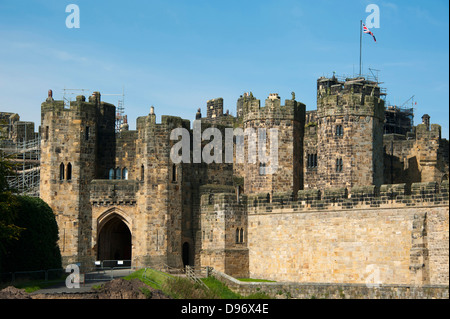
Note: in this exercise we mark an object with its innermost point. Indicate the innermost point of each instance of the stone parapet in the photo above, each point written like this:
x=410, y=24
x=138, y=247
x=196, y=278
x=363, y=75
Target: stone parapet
x=399, y=195
x=113, y=192
x=297, y=290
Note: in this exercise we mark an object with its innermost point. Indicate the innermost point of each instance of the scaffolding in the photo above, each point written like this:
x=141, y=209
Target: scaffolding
x=398, y=120
x=25, y=159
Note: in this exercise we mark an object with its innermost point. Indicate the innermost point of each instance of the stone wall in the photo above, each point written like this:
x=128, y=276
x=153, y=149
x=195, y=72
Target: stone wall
x=287, y=290
x=421, y=156
x=351, y=238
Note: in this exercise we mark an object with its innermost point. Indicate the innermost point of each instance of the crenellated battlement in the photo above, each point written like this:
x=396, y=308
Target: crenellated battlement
x=147, y=126
x=292, y=110
x=80, y=107
x=356, y=96
x=399, y=195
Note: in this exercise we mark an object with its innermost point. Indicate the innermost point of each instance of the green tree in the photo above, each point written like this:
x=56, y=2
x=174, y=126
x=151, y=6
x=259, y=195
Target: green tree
x=36, y=247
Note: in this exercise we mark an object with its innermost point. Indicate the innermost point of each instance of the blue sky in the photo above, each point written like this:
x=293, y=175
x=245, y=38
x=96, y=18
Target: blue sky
x=176, y=55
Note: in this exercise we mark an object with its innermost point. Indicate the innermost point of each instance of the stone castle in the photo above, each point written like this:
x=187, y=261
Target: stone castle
x=345, y=198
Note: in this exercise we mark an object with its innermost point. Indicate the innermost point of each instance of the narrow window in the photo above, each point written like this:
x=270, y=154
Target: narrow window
x=117, y=173
x=237, y=235
x=262, y=168
x=61, y=172
x=46, y=133
x=339, y=165
x=86, y=133
x=241, y=236
x=142, y=172
x=111, y=173
x=309, y=161
x=339, y=130
x=315, y=160
x=174, y=173
x=69, y=172
x=125, y=173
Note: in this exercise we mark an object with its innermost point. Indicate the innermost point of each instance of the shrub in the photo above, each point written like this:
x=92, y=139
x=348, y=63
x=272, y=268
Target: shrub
x=36, y=247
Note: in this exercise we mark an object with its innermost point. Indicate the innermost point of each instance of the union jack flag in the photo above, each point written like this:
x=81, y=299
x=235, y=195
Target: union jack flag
x=367, y=31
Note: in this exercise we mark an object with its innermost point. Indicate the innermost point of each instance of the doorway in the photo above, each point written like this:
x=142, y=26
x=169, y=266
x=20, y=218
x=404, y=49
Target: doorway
x=114, y=240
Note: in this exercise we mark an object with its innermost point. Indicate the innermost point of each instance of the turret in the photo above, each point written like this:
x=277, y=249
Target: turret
x=284, y=172
x=350, y=117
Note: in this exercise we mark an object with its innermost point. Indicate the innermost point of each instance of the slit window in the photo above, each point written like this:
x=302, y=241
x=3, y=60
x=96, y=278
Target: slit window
x=69, y=172
x=61, y=172
x=339, y=131
x=174, y=173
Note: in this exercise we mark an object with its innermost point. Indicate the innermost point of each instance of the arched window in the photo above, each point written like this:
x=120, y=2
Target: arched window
x=69, y=172
x=125, y=173
x=61, y=172
x=241, y=236
x=237, y=235
x=117, y=173
x=142, y=172
x=262, y=169
x=111, y=173
x=339, y=130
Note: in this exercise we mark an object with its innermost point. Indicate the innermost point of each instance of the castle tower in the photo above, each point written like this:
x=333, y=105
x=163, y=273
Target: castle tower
x=214, y=108
x=160, y=202
x=71, y=138
x=350, y=118
x=286, y=173
x=223, y=239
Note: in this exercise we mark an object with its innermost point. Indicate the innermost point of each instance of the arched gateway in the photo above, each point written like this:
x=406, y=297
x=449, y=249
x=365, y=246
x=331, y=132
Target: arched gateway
x=114, y=238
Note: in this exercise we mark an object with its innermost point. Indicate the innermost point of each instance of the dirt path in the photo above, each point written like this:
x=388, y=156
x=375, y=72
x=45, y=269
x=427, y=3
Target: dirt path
x=115, y=289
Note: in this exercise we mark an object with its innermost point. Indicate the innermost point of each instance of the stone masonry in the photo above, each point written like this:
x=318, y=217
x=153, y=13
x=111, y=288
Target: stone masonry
x=346, y=204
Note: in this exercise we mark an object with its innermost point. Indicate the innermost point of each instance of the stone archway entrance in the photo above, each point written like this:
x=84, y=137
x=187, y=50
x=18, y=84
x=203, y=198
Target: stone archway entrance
x=114, y=240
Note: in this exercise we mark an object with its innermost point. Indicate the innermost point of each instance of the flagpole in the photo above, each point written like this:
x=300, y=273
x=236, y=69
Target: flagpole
x=360, y=47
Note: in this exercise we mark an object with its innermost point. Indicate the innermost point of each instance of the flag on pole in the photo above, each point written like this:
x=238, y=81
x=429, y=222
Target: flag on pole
x=367, y=31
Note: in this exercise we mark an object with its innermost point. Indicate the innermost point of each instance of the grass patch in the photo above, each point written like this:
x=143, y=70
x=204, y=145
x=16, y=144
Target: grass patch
x=150, y=277
x=219, y=289
x=183, y=288
x=254, y=280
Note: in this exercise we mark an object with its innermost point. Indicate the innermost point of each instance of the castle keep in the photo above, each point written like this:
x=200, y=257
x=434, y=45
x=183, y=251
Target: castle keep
x=345, y=197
